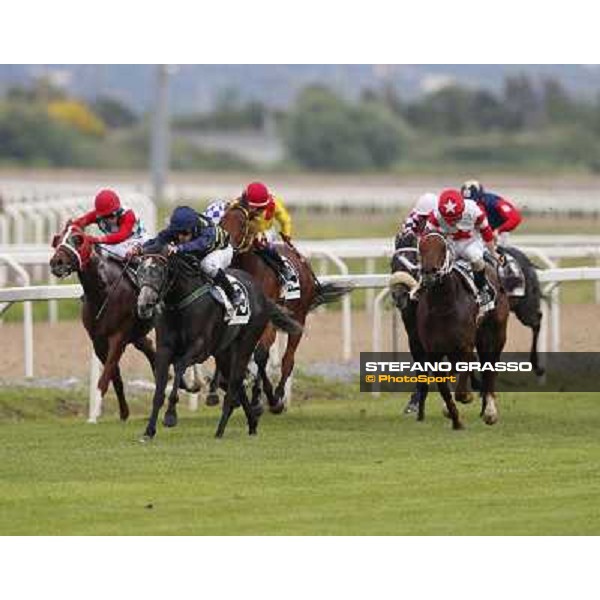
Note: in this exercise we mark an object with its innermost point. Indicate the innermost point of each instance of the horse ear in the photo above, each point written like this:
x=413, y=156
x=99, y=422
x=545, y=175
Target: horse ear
x=55, y=240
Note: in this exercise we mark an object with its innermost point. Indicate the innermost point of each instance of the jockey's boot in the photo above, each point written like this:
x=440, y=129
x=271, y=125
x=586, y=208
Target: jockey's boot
x=486, y=294
x=283, y=271
x=233, y=295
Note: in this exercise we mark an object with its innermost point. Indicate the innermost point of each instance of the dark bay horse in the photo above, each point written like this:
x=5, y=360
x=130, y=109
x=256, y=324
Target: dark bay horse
x=108, y=309
x=448, y=323
x=236, y=221
x=192, y=327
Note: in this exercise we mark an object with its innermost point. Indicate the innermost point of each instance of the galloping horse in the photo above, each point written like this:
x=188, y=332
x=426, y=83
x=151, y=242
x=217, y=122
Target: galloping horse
x=108, y=310
x=236, y=221
x=448, y=324
x=192, y=327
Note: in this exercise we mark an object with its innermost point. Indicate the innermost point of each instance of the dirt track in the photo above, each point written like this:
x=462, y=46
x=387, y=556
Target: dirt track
x=63, y=350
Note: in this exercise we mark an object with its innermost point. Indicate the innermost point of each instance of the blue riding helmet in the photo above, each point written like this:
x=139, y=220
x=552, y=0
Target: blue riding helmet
x=472, y=190
x=183, y=218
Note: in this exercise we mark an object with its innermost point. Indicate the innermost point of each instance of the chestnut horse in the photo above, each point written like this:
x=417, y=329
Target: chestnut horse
x=108, y=310
x=448, y=323
x=236, y=221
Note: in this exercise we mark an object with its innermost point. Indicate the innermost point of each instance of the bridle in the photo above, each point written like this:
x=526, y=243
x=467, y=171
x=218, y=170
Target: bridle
x=66, y=244
x=166, y=281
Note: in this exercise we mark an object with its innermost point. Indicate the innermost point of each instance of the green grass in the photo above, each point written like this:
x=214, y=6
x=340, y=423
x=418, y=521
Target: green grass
x=339, y=462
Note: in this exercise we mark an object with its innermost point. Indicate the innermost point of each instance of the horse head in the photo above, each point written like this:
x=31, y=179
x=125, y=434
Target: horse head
x=73, y=250
x=236, y=222
x=152, y=276
x=436, y=259
x=405, y=269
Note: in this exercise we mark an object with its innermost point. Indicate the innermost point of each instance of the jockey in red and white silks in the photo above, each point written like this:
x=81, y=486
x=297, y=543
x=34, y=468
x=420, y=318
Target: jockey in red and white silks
x=466, y=228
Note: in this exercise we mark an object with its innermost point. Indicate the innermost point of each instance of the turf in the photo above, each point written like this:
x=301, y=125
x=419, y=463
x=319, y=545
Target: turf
x=338, y=462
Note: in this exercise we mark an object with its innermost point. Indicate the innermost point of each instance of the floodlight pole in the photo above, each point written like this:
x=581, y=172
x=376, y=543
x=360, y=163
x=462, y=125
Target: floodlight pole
x=160, y=134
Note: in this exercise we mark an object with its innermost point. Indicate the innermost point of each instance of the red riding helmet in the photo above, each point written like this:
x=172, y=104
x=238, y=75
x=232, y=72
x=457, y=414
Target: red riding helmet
x=451, y=205
x=107, y=202
x=257, y=195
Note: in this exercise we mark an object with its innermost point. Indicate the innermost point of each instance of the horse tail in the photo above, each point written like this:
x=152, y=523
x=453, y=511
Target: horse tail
x=328, y=292
x=282, y=320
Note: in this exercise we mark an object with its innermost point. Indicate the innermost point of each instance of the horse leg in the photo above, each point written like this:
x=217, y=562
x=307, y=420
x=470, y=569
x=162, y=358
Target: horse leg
x=249, y=411
x=146, y=347
x=163, y=360
x=238, y=365
x=261, y=357
x=170, y=418
x=116, y=346
x=533, y=354
x=461, y=393
x=212, y=398
x=287, y=366
x=444, y=390
x=117, y=382
x=422, y=390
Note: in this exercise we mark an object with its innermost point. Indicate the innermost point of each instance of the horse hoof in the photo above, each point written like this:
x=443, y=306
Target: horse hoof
x=457, y=426
x=540, y=372
x=170, y=420
x=252, y=431
x=212, y=400
x=219, y=434
x=464, y=398
x=278, y=408
x=146, y=438
x=412, y=407
x=490, y=419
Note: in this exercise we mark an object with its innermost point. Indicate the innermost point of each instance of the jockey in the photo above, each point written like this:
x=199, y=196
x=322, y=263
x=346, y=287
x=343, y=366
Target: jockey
x=122, y=229
x=503, y=216
x=417, y=218
x=190, y=232
x=465, y=225
x=264, y=209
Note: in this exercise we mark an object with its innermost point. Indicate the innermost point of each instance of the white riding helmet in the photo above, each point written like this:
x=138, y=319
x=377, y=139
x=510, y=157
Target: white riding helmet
x=426, y=203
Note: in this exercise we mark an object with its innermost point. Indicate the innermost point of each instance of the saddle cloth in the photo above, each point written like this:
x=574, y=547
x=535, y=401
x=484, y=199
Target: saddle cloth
x=290, y=290
x=239, y=316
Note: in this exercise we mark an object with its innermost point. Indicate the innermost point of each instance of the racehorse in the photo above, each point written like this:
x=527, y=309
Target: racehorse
x=448, y=323
x=404, y=279
x=192, y=327
x=108, y=310
x=236, y=221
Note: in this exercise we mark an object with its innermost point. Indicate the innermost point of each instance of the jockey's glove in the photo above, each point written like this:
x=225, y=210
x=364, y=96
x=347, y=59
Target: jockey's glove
x=172, y=249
